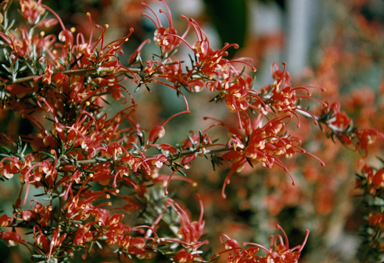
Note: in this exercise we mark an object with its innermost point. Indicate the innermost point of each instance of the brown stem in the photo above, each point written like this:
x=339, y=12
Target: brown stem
x=78, y=71
x=92, y=161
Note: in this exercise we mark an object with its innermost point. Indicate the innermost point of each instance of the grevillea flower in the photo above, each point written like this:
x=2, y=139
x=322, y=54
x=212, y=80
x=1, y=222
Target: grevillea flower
x=366, y=137
x=31, y=10
x=376, y=220
x=138, y=246
x=10, y=239
x=190, y=231
x=278, y=252
x=166, y=38
x=263, y=144
x=5, y=221
x=370, y=180
x=48, y=71
x=56, y=241
x=83, y=234
x=21, y=44
x=282, y=253
x=184, y=256
x=339, y=121
x=69, y=78
x=342, y=126
x=41, y=240
x=281, y=97
x=65, y=35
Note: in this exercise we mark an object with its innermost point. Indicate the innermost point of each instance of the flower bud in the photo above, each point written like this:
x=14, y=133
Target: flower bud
x=157, y=132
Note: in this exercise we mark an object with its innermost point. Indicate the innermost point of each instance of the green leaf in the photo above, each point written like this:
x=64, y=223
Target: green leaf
x=99, y=245
x=48, y=154
x=42, y=194
x=7, y=150
x=99, y=159
x=182, y=173
x=378, y=201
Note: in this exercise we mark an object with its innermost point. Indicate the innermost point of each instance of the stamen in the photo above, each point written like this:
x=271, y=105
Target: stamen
x=169, y=12
x=56, y=15
x=158, y=24
x=285, y=235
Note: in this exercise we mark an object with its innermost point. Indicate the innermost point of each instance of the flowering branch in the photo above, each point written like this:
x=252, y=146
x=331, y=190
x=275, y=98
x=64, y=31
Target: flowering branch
x=81, y=150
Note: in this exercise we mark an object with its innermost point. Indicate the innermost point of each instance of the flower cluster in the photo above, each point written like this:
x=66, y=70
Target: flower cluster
x=341, y=127
x=371, y=182
x=279, y=253
x=87, y=164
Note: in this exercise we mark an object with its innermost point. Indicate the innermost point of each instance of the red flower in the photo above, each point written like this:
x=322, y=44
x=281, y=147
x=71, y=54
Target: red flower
x=281, y=97
x=366, y=137
x=21, y=47
x=340, y=121
x=186, y=257
x=56, y=241
x=156, y=132
x=376, y=220
x=41, y=239
x=166, y=38
x=281, y=253
x=266, y=145
x=5, y=221
x=191, y=231
x=10, y=239
x=31, y=10
x=83, y=234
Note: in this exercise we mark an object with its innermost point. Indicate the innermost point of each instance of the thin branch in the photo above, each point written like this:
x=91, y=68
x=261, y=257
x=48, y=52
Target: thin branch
x=79, y=72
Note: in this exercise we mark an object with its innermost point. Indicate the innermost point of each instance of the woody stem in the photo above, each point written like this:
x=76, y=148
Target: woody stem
x=92, y=161
x=79, y=72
